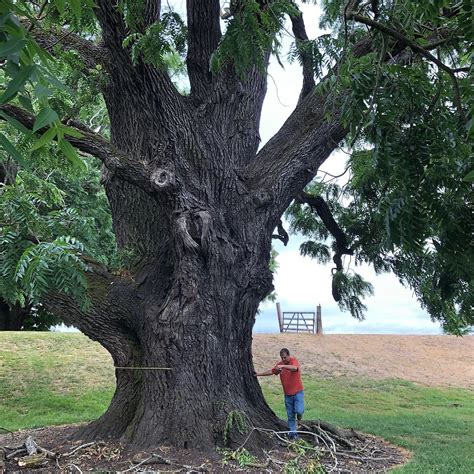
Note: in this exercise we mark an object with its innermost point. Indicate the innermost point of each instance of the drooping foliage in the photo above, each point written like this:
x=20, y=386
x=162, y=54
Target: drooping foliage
x=53, y=209
x=404, y=202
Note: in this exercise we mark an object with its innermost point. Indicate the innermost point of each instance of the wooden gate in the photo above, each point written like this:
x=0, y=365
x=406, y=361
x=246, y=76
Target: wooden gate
x=300, y=321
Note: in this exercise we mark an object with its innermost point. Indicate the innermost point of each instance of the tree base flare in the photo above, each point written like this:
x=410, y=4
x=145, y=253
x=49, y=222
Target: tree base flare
x=353, y=452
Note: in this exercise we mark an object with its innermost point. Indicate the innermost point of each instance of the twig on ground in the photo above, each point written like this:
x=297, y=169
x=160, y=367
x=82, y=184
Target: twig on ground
x=15, y=453
x=73, y=465
x=144, y=461
x=364, y=458
x=277, y=462
x=82, y=446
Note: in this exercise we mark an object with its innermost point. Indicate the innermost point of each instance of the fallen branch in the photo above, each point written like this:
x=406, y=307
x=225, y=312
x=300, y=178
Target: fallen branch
x=32, y=460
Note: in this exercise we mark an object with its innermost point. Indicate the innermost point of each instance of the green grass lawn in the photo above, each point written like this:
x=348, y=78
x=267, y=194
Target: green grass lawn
x=50, y=378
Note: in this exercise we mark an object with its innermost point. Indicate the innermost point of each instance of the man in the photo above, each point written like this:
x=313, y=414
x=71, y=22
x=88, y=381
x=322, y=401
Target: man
x=288, y=368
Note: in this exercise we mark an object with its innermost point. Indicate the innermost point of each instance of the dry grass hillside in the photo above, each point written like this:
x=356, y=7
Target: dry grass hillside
x=428, y=360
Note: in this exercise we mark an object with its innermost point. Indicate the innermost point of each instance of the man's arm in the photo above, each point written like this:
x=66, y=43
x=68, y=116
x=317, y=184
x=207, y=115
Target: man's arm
x=291, y=368
x=275, y=371
x=265, y=373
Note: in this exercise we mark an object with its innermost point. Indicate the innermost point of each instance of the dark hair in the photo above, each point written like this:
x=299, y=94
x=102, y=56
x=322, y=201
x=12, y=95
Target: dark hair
x=285, y=351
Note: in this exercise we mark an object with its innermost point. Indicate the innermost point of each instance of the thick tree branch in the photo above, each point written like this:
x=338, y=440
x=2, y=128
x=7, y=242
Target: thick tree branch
x=90, y=53
x=318, y=204
x=112, y=23
x=282, y=234
x=292, y=157
x=151, y=12
x=204, y=33
x=299, y=31
x=130, y=82
x=117, y=162
x=109, y=318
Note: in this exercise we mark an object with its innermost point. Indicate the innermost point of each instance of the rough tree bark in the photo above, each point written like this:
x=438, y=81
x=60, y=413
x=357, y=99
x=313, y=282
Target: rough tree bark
x=191, y=195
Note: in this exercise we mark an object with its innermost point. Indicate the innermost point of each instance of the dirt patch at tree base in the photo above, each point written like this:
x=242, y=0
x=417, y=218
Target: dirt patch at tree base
x=368, y=454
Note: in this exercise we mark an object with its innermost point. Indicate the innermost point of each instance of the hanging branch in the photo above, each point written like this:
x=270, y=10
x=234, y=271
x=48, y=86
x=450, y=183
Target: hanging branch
x=318, y=204
x=282, y=234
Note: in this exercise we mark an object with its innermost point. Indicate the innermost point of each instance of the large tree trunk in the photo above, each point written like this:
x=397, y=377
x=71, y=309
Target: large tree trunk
x=202, y=233
x=196, y=321
x=12, y=317
x=197, y=205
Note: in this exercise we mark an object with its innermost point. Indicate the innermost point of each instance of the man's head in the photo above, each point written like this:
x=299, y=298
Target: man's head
x=285, y=355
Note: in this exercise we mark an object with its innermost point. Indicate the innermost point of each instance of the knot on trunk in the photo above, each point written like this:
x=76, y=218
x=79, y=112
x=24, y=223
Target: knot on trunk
x=261, y=282
x=193, y=230
x=262, y=198
x=162, y=179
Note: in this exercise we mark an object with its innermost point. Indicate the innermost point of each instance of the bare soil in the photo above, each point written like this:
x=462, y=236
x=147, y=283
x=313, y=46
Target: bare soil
x=428, y=360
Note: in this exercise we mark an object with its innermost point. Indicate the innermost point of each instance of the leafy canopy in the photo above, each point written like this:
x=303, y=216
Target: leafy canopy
x=407, y=106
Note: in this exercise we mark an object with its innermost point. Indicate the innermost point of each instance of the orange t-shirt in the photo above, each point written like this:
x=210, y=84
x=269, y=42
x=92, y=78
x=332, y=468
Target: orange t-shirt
x=291, y=381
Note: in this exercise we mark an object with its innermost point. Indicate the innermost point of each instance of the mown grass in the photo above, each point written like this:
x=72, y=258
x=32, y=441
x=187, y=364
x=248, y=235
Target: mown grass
x=436, y=424
x=52, y=378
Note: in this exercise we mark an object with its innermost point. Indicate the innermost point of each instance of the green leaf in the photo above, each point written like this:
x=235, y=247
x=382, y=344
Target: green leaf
x=70, y=131
x=76, y=8
x=45, y=138
x=42, y=91
x=11, y=46
x=14, y=123
x=60, y=5
x=46, y=117
x=71, y=155
x=17, y=83
x=469, y=177
x=26, y=103
x=11, y=150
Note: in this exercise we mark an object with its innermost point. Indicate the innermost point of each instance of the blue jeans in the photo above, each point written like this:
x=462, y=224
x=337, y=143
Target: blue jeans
x=294, y=405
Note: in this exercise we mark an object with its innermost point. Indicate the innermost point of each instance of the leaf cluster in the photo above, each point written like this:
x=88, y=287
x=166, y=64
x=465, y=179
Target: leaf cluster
x=251, y=35
x=30, y=267
x=162, y=44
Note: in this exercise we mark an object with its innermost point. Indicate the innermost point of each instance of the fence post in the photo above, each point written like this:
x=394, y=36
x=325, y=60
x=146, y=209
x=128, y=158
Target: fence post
x=280, y=317
x=319, y=322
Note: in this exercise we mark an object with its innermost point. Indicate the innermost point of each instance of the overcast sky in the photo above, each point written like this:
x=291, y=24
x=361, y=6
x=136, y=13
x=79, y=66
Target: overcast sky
x=300, y=282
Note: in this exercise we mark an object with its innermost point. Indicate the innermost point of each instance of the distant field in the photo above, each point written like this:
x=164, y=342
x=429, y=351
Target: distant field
x=438, y=361
x=365, y=382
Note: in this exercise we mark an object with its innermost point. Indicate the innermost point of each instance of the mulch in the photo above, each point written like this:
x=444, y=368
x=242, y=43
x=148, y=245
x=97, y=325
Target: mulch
x=368, y=454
